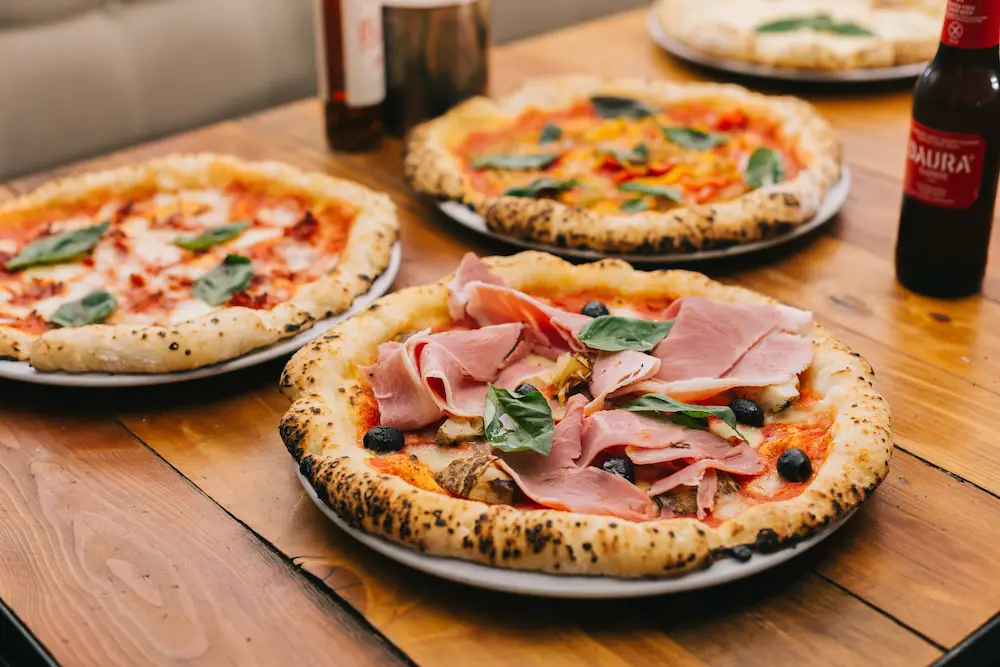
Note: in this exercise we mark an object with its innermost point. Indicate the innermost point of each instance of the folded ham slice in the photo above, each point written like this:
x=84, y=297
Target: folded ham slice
x=616, y=370
x=554, y=481
x=552, y=330
x=707, y=487
x=403, y=399
x=470, y=269
x=745, y=462
x=709, y=337
x=715, y=346
x=621, y=428
x=418, y=382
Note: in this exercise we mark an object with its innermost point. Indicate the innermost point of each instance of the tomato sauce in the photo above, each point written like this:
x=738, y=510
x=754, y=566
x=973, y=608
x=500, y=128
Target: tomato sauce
x=646, y=308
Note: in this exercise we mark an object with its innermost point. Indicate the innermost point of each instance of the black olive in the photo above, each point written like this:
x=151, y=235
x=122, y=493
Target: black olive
x=384, y=439
x=620, y=465
x=747, y=412
x=794, y=465
x=594, y=309
x=524, y=388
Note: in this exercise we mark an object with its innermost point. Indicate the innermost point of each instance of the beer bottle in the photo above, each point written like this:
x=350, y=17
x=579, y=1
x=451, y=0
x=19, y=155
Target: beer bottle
x=350, y=63
x=953, y=157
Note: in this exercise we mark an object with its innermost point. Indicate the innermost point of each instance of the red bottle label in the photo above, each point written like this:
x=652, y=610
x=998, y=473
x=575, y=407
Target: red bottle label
x=943, y=168
x=971, y=24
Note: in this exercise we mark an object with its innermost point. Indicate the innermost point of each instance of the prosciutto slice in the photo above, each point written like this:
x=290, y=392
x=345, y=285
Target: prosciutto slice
x=707, y=487
x=617, y=428
x=709, y=337
x=471, y=269
x=715, y=346
x=745, y=462
x=617, y=370
x=432, y=375
x=554, y=481
x=403, y=399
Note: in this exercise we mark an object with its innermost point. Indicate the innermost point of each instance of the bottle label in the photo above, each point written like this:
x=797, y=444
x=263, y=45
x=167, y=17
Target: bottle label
x=971, y=24
x=943, y=168
x=364, y=53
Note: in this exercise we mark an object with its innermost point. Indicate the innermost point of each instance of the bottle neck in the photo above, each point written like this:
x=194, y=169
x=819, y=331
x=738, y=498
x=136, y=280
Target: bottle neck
x=947, y=54
x=971, y=25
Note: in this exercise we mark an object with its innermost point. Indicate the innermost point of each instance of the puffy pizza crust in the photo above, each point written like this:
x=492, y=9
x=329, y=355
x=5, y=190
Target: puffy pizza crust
x=321, y=431
x=905, y=31
x=432, y=168
x=222, y=334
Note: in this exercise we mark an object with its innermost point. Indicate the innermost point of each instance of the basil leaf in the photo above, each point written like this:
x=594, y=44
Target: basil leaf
x=59, y=248
x=852, y=29
x=637, y=205
x=620, y=107
x=764, y=168
x=693, y=139
x=639, y=154
x=513, y=162
x=94, y=308
x=662, y=191
x=551, y=132
x=518, y=423
x=211, y=237
x=540, y=187
x=818, y=22
x=658, y=403
x=612, y=333
x=216, y=286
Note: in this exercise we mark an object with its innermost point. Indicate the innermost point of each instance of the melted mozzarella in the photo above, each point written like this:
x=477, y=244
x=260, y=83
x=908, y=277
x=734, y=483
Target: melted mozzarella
x=8, y=245
x=254, y=236
x=766, y=485
x=753, y=435
x=298, y=256
x=279, y=216
x=57, y=272
x=189, y=310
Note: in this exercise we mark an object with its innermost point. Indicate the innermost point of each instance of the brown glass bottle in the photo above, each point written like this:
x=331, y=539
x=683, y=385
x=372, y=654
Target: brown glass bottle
x=953, y=157
x=350, y=62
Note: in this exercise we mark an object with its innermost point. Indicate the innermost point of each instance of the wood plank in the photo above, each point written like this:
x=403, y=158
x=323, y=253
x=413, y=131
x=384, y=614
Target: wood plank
x=110, y=557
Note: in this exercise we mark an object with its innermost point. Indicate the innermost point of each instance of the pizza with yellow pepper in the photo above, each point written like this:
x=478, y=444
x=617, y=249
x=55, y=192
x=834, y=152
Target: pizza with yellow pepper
x=630, y=166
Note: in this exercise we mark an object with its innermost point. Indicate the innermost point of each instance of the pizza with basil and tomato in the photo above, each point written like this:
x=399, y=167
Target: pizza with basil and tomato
x=182, y=262
x=808, y=34
x=528, y=413
x=630, y=166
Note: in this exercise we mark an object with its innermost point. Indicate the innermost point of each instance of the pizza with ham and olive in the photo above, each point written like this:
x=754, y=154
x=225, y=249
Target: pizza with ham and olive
x=528, y=413
x=182, y=262
x=808, y=34
x=630, y=166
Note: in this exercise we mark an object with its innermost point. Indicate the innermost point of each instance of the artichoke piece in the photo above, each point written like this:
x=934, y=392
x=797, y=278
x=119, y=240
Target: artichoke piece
x=570, y=370
x=459, y=430
x=476, y=478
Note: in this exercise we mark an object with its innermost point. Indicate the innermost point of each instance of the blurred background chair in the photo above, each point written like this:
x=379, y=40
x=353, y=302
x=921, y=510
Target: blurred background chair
x=82, y=77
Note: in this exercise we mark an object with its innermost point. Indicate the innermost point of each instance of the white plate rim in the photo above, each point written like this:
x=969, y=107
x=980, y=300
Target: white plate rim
x=540, y=584
x=835, y=199
x=22, y=371
x=690, y=54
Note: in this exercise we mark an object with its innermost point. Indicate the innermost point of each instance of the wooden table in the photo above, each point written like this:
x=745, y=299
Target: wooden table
x=167, y=526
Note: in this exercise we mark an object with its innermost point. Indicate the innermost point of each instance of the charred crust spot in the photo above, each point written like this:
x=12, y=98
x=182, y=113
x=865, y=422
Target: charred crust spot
x=161, y=334
x=701, y=532
x=767, y=541
x=307, y=465
x=587, y=546
x=315, y=410
x=187, y=353
x=292, y=327
x=174, y=347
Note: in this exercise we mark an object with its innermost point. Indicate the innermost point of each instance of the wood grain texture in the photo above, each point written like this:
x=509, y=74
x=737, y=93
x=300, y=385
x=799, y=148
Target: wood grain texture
x=918, y=558
x=111, y=558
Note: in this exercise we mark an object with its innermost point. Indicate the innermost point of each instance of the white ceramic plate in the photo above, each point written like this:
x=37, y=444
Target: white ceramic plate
x=21, y=370
x=684, y=52
x=569, y=586
x=830, y=206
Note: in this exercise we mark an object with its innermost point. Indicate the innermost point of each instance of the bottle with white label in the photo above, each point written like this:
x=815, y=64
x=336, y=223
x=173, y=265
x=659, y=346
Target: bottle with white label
x=350, y=62
x=953, y=157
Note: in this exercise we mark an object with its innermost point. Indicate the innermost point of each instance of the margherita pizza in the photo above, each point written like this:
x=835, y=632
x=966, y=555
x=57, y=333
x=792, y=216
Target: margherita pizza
x=182, y=262
x=533, y=414
x=808, y=34
x=630, y=166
